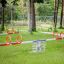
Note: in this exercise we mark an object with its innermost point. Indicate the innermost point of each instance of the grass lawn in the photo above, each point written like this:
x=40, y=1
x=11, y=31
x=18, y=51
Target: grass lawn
x=20, y=54
x=26, y=36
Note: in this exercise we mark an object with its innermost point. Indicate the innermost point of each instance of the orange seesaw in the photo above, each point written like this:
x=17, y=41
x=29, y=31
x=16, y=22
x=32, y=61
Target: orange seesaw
x=9, y=41
x=11, y=31
x=58, y=36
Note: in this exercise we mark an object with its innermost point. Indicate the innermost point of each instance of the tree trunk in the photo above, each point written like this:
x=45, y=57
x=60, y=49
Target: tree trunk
x=61, y=15
x=33, y=19
x=0, y=14
x=63, y=12
x=55, y=14
x=2, y=26
x=32, y=23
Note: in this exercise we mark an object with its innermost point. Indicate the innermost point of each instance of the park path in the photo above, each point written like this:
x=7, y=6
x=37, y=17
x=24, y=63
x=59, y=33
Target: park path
x=3, y=34
x=25, y=42
x=50, y=33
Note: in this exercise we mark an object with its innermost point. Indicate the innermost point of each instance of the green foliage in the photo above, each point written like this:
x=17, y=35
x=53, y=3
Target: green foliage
x=44, y=10
x=14, y=2
x=21, y=8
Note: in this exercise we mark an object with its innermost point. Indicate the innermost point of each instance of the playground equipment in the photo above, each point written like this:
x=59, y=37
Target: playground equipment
x=9, y=40
x=11, y=31
x=58, y=36
x=18, y=41
x=62, y=35
x=38, y=45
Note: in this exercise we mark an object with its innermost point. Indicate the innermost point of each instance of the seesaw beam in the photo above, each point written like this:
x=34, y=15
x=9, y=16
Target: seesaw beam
x=26, y=42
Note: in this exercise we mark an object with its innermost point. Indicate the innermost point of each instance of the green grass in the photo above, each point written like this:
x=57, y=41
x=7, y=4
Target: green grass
x=26, y=36
x=60, y=30
x=21, y=54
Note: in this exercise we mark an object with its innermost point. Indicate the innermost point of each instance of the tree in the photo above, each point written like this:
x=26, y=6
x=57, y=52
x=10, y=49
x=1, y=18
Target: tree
x=32, y=16
x=0, y=13
x=38, y=1
x=15, y=2
x=45, y=10
x=3, y=3
x=13, y=7
x=62, y=14
x=55, y=14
